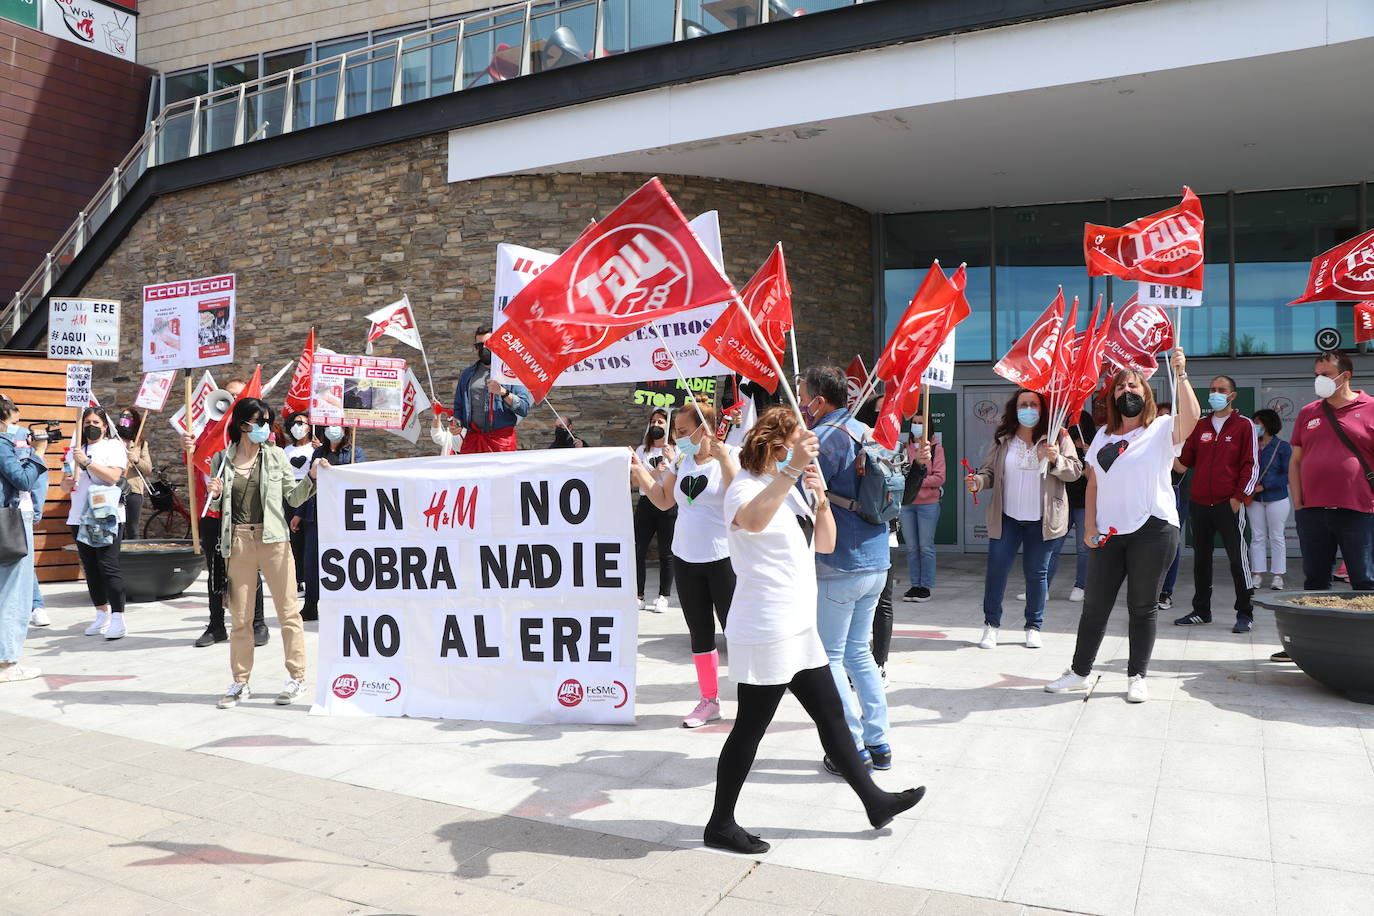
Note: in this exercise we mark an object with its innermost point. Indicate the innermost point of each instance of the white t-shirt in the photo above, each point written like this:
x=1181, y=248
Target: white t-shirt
x=299, y=456
x=111, y=453
x=700, y=533
x=1021, y=481
x=652, y=459
x=1132, y=474
x=775, y=571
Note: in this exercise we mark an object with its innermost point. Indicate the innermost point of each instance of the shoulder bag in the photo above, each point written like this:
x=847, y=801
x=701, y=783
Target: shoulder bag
x=1250, y=497
x=1345, y=440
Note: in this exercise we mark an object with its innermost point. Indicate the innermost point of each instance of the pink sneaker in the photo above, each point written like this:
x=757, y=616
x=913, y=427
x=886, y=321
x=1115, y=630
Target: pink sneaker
x=706, y=711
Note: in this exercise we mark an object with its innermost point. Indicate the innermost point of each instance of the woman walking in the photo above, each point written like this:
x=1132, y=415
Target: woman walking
x=96, y=465
x=1268, y=513
x=333, y=451
x=250, y=483
x=696, y=484
x=921, y=512
x=1025, y=510
x=22, y=470
x=140, y=465
x=774, y=645
x=651, y=522
x=1131, y=521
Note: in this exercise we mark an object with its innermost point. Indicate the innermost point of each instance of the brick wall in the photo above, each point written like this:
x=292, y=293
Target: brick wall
x=326, y=242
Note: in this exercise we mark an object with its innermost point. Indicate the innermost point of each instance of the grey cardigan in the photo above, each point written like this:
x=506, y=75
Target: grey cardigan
x=1054, y=500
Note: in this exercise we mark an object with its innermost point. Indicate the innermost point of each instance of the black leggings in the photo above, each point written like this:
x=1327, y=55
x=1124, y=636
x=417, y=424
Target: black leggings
x=1141, y=558
x=104, y=581
x=882, y=624
x=651, y=521
x=701, y=587
x=815, y=689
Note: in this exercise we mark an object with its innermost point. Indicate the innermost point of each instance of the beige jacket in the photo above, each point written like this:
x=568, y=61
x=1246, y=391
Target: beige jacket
x=1054, y=500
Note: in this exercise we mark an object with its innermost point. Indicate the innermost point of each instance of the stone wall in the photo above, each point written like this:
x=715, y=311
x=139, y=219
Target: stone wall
x=322, y=244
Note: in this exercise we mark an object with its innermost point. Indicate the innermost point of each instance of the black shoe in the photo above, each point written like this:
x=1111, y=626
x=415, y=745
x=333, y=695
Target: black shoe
x=260, y=634
x=833, y=770
x=1243, y=625
x=910, y=594
x=310, y=614
x=734, y=839
x=1166, y=601
x=1192, y=620
x=1280, y=657
x=211, y=636
x=922, y=594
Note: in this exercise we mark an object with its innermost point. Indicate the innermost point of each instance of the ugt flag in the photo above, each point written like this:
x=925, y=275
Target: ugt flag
x=395, y=320
x=1344, y=272
x=1030, y=361
x=1164, y=247
x=298, y=395
x=768, y=297
x=1136, y=335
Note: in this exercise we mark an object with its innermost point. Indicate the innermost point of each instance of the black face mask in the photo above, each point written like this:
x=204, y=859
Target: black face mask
x=484, y=356
x=125, y=432
x=92, y=432
x=655, y=433
x=1130, y=404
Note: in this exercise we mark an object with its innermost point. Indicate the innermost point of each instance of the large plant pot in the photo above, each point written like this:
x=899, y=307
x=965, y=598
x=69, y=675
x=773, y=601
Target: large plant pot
x=1334, y=646
x=157, y=569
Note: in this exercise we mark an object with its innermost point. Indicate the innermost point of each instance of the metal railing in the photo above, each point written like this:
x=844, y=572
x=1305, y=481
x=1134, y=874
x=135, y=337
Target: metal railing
x=489, y=47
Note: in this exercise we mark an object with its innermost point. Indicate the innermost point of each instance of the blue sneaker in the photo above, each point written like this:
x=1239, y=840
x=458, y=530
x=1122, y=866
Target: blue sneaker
x=881, y=754
x=1243, y=625
x=864, y=755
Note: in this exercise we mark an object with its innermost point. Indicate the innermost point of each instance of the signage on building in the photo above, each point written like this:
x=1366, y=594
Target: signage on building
x=24, y=12
x=107, y=29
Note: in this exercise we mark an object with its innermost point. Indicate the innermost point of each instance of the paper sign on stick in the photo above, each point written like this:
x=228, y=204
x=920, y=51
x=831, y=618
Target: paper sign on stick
x=83, y=329
x=78, y=385
x=152, y=394
x=188, y=323
x=940, y=372
x=363, y=392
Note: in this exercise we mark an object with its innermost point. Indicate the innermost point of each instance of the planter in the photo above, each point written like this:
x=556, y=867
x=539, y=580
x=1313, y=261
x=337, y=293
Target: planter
x=1332, y=645
x=158, y=569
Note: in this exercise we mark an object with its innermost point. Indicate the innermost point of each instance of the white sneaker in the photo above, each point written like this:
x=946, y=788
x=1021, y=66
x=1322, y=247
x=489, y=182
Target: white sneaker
x=1257, y=581
x=290, y=691
x=1066, y=682
x=989, y=640
x=706, y=711
x=18, y=673
x=1021, y=596
x=100, y=625
x=1276, y=583
x=1032, y=638
x=116, y=629
x=39, y=618
x=1076, y=594
x=660, y=605
x=1136, y=692
x=643, y=604
x=233, y=695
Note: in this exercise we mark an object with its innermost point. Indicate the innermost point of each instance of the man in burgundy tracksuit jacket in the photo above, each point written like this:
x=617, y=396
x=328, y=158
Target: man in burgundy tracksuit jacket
x=1222, y=452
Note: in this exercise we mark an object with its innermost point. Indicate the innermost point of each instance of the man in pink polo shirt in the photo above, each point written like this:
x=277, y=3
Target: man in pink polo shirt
x=1332, y=482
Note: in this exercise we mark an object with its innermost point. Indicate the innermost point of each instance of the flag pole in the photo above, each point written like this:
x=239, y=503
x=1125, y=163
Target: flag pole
x=925, y=415
x=191, y=466
x=701, y=417
x=792, y=333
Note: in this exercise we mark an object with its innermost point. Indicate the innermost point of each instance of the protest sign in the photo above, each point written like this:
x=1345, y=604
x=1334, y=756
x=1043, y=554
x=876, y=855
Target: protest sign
x=78, y=385
x=204, y=388
x=365, y=392
x=83, y=329
x=940, y=372
x=152, y=394
x=1167, y=296
x=659, y=393
x=490, y=587
x=188, y=323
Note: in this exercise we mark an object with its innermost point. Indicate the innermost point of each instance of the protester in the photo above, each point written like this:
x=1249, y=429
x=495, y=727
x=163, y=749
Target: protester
x=251, y=481
x=1131, y=521
x=1268, y=513
x=564, y=437
x=140, y=465
x=445, y=433
x=657, y=455
x=925, y=480
x=99, y=462
x=696, y=484
x=1080, y=434
x=1331, y=476
x=851, y=578
x=299, y=448
x=31, y=505
x=22, y=470
x=1025, y=509
x=771, y=634
x=336, y=449
x=486, y=409
x=1222, y=453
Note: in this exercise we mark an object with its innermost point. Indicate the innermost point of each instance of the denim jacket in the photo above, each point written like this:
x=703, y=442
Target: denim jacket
x=499, y=414
x=18, y=475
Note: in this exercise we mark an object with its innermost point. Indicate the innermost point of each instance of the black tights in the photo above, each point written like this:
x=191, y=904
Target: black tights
x=651, y=522
x=701, y=587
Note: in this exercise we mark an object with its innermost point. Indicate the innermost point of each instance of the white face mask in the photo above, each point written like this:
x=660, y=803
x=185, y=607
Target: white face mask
x=300, y=430
x=1325, y=387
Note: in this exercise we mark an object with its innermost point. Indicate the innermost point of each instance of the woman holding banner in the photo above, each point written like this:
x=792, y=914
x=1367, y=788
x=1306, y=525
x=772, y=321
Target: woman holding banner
x=98, y=463
x=774, y=532
x=1131, y=520
x=333, y=450
x=657, y=455
x=1027, y=511
x=696, y=484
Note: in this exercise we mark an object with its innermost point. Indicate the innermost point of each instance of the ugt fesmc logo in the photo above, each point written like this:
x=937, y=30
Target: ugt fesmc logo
x=347, y=686
x=572, y=693
x=1358, y=277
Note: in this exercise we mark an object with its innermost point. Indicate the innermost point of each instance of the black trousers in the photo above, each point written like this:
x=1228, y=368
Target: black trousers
x=104, y=581
x=133, y=515
x=651, y=522
x=1209, y=521
x=1141, y=558
x=219, y=577
x=297, y=547
x=702, y=588
x=882, y=624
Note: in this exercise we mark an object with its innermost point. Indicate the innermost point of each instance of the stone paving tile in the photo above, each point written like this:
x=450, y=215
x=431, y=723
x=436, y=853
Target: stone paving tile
x=1191, y=884
x=1089, y=875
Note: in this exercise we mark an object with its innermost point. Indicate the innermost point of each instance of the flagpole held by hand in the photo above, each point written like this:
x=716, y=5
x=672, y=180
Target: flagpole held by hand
x=191, y=468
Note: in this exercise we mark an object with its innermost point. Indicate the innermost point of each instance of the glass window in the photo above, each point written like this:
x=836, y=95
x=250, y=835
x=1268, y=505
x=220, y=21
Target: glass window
x=234, y=72
x=912, y=241
x=631, y=24
x=185, y=85
x=1277, y=235
x=286, y=60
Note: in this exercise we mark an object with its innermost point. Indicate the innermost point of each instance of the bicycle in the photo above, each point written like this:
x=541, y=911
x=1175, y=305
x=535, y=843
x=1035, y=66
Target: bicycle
x=169, y=520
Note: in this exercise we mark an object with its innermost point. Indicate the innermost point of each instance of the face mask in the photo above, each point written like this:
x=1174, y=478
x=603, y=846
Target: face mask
x=686, y=446
x=655, y=433
x=782, y=465
x=300, y=430
x=92, y=432
x=1259, y=430
x=808, y=414
x=1028, y=416
x=18, y=433
x=916, y=430
x=1130, y=404
x=1217, y=401
x=1326, y=387
x=260, y=434
x=333, y=433
x=484, y=355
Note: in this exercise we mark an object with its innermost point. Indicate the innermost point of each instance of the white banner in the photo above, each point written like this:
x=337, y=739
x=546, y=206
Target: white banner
x=365, y=392
x=640, y=357
x=1168, y=296
x=490, y=587
x=78, y=385
x=204, y=388
x=152, y=394
x=83, y=329
x=188, y=323
x=94, y=25
x=940, y=372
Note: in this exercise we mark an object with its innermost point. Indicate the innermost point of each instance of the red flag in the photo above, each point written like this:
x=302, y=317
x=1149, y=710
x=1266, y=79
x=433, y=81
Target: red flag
x=1344, y=272
x=1061, y=377
x=855, y=375
x=1088, y=368
x=640, y=264
x=1136, y=335
x=1030, y=361
x=889, y=426
x=1164, y=247
x=1364, y=321
x=929, y=306
x=769, y=300
x=298, y=395
x=215, y=436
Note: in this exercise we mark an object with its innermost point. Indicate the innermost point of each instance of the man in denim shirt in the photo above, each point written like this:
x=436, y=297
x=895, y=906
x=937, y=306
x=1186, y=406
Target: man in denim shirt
x=850, y=579
x=487, y=410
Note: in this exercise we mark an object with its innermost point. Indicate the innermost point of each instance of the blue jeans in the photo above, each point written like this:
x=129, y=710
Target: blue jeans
x=37, y=595
x=1321, y=532
x=1075, y=525
x=1035, y=563
x=918, y=530
x=1171, y=576
x=844, y=618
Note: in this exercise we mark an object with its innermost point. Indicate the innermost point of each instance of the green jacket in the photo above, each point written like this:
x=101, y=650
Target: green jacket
x=278, y=484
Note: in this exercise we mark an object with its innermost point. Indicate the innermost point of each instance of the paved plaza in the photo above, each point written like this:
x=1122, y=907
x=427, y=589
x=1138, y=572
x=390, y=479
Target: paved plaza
x=1241, y=787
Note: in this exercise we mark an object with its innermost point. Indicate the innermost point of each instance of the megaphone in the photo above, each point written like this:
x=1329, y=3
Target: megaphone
x=217, y=404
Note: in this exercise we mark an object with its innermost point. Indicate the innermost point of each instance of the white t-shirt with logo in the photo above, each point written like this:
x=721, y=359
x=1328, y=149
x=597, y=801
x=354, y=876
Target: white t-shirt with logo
x=111, y=453
x=652, y=459
x=299, y=457
x=1132, y=474
x=700, y=533
x=775, y=572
